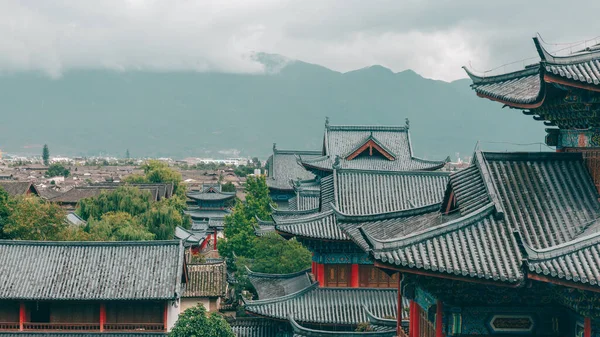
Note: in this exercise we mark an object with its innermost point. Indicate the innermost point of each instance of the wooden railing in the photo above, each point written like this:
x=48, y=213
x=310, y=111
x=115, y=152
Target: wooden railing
x=9, y=325
x=62, y=326
x=134, y=327
x=426, y=328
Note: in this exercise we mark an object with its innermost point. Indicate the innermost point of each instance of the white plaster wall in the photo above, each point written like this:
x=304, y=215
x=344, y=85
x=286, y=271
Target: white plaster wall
x=173, y=310
x=192, y=302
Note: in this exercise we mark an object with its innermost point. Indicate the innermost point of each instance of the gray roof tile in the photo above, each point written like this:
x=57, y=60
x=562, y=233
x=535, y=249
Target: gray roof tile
x=90, y=270
x=206, y=280
x=284, y=168
x=277, y=285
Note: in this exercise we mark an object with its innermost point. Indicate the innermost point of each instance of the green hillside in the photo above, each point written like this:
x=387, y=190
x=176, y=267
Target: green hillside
x=182, y=114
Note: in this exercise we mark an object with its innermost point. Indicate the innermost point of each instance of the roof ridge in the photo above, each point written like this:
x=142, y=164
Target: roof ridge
x=548, y=57
x=531, y=156
x=482, y=79
x=558, y=250
x=488, y=182
x=341, y=216
x=364, y=127
x=300, y=292
x=89, y=243
x=289, y=211
x=467, y=220
x=396, y=173
x=308, y=332
x=378, y=320
x=310, y=218
x=268, y=275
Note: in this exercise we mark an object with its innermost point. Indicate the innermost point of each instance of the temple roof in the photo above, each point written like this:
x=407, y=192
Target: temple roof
x=164, y=190
x=91, y=270
x=304, y=200
x=548, y=198
x=206, y=280
x=352, y=147
x=210, y=192
x=190, y=237
x=537, y=85
x=319, y=226
x=256, y=327
x=284, y=168
x=207, y=213
x=276, y=285
x=339, y=306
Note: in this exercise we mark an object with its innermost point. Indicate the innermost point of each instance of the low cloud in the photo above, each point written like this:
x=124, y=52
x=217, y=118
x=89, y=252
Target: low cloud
x=434, y=38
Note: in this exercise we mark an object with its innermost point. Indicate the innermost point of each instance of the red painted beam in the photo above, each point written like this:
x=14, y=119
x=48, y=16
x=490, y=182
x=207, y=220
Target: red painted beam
x=439, y=330
x=166, y=316
x=562, y=283
x=587, y=327
x=354, y=276
x=570, y=83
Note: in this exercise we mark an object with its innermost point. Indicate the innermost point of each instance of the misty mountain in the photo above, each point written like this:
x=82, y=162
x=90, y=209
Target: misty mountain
x=181, y=114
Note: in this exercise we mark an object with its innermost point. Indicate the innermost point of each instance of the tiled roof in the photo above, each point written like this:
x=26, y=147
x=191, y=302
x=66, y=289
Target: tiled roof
x=210, y=192
x=74, y=219
x=283, y=215
x=206, y=280
x=341, y=306
x=205, y=213
x=304, y=200
x=342, y=140
x=320, y=226
x=75, y=194
x=367, y=192
x=523, y=87
x=189, y=236
x=528, y=86
x=300, y=331
x=284, y=168
x=257, y=327
x=81, y=334
x=90, y=270
x=548, y=198
x=163, y=190
x=14, y=188
x=277, y=285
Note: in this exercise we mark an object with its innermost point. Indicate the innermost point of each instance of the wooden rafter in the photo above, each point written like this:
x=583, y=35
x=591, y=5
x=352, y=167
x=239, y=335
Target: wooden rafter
x=370, y=145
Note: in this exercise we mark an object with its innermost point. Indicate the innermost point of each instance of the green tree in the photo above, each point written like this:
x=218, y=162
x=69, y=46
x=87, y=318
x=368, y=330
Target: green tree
x=32, y=218
x=5, y=200
x=127, y=156
x=57, y=170
x=117, y=226
x=196, y=322
x=162, y=218
x=46, y=155
x=240, y=224
x=228, y=187
x=276, y=255
x=126, y=199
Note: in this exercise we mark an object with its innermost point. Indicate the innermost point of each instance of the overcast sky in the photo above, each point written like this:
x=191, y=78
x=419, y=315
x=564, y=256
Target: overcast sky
x=433, y=37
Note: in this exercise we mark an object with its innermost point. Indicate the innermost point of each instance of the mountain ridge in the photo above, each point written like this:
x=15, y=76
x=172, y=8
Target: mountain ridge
x=183, y=114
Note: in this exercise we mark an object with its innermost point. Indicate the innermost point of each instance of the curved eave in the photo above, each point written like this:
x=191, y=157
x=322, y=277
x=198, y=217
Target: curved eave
x=385, y=216
x=306, y=332
x=391, y=244
x=564, y=60
x=435, y=164
x=538, y=255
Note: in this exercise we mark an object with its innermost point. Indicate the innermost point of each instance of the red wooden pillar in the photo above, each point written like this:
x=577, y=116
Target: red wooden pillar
x=414, y=319
x=166, y=316
x=102, y=316
x=313, y=270
x=399, y=304
x=587, y=327
x=215, y=240
x=321, y=274
x=439, y=330
x=354, y=276
x=21, y=315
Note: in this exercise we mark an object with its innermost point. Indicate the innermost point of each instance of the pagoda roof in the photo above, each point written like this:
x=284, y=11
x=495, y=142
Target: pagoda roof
x=190, y=237
x=528, y=88
x=304, y=200
x=284, y=168
x=345, y=146
x=549, y=198
x=328, y=306
x=127, y=270
x=319, y=226
x=211, y=192
x=207, y=213
x=276, y=285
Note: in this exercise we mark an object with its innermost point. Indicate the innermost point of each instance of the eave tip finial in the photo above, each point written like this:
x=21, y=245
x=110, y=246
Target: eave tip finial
x=336, y=163
x=274, y=147
x=326, y=121
x=407, y=123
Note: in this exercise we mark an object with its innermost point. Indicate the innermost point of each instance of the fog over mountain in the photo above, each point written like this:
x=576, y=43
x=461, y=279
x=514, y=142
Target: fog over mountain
x=181, y=114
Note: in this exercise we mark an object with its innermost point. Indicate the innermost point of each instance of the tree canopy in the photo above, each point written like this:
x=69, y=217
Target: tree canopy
x=57, y=170
x=196, y=322
x=267, y=254
x=228, y=187
x=31, y=218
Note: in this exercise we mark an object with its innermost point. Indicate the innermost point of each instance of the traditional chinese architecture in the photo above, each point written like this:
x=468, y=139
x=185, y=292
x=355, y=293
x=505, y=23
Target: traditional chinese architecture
x=206, y=285
x=208, y=208
x=90, y=287
x=561, y=91
x=15, y=188
x=367, y=147
x=283, y=169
